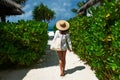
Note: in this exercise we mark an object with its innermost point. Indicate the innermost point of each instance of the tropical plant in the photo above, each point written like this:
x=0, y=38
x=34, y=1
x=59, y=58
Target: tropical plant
x=96, y=39
x=43, y=13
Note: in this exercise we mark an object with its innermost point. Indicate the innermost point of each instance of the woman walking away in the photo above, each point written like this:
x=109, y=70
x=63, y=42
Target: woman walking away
x=62, y=33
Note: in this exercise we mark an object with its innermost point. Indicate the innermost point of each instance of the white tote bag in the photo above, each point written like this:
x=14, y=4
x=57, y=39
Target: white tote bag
x=56, y=45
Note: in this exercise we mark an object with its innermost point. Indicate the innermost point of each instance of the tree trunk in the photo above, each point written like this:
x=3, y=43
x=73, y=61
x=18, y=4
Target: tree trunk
x=3, y=19
x=89, y=4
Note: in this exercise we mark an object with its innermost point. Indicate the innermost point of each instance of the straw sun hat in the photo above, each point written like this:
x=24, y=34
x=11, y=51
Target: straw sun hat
x=62, y=25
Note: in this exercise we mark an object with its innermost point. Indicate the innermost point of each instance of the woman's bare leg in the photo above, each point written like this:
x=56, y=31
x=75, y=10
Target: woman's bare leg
x=61, y=62
x=64, y=60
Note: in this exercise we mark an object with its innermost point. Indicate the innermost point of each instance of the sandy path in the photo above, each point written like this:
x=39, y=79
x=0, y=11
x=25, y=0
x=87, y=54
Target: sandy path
x=48, y=69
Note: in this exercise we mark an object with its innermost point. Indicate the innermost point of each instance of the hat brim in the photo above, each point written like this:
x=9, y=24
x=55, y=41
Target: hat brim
x=59, y=27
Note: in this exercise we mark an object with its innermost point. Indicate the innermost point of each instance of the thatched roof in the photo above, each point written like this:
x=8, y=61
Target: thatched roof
x=9, y=7
x=90, y=3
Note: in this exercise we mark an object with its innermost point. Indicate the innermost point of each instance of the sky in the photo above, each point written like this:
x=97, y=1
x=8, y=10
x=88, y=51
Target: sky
x=62, y=9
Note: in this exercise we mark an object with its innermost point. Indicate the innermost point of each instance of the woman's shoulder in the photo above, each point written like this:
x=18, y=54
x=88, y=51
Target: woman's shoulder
x=57, y=31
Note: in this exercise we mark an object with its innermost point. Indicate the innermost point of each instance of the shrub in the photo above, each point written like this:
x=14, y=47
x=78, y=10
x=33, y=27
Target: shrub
x=22, y=43
x=96, y=40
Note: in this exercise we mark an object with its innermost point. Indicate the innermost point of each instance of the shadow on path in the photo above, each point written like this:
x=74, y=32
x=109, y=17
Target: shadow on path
x=48, y=60
x=70, y=71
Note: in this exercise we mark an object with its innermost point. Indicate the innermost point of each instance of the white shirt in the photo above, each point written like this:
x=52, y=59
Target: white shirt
x=64, y=38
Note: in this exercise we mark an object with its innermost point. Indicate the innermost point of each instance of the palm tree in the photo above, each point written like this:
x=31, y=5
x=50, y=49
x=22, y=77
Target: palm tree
x=83, y=6
x=22, y=2
x=88, y=4
x=79, y=4
x=43, y=13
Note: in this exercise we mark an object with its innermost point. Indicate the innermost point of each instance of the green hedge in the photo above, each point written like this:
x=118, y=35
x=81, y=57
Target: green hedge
x=22, y=43
x=96, y=40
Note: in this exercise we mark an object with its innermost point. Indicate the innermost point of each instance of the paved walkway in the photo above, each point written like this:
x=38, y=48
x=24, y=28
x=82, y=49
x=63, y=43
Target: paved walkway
x=48, y=69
